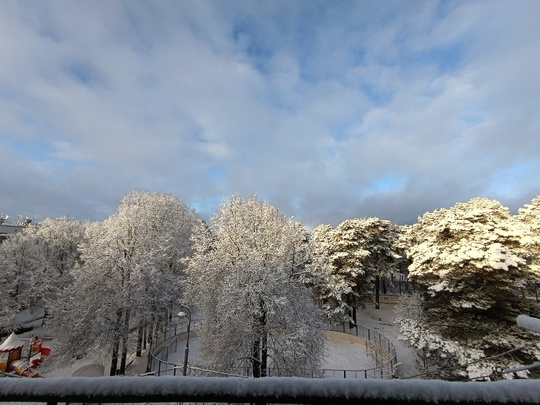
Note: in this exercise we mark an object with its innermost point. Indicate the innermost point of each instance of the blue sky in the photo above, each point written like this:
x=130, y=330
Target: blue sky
x=327, y=109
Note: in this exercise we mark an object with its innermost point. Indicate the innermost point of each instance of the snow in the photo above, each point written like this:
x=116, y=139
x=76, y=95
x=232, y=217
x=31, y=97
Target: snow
x=11, y=342
x=206, y=389
x=528, y=322
x=346, y=355
x=30, y=318
x=176, y=354
x=382, y=320
x=340, y=355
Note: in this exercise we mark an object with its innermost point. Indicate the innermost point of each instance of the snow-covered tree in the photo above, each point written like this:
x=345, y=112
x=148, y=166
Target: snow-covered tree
x=259, y=318
x=379, y=237
x=131, y=270
x=35, y=264
x=529, y=216
x=469, y=263
x=332, y=289
x=351, y=258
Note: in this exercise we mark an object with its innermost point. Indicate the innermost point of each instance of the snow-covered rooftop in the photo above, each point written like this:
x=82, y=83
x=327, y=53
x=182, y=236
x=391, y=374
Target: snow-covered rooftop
x=12, y=342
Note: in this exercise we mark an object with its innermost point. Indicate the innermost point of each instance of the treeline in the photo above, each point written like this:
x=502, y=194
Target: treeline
x=262, y=282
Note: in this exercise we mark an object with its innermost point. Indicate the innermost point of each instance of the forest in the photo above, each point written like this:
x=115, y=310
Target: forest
x=265, y=285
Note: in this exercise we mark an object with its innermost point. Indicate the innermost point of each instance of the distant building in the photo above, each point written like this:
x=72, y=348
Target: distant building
x=9, y=229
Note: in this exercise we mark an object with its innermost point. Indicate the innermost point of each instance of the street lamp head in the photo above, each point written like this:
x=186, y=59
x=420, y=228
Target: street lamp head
x=182, y=314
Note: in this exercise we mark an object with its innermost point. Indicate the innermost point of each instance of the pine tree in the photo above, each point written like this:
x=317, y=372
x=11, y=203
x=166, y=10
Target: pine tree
x=529, y=216
x=350, y=261
x=469, y=264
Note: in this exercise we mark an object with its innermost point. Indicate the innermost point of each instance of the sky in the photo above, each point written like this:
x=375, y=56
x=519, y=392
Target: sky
x=329, y=110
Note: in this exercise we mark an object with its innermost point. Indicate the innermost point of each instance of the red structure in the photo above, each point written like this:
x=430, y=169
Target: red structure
x=11, y=351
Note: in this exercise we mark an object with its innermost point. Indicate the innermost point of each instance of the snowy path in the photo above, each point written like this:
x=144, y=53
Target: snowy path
x=346, y=355
x=382, y=320
x=177, y=357
x=340, y=355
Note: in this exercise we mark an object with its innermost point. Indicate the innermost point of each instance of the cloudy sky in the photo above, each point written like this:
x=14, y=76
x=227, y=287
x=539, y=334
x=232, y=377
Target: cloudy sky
x=327, y=109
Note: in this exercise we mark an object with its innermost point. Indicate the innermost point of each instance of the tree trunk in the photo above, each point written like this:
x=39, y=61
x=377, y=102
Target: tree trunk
x=125, y=342
x=114, y=361
x=116, y=344
x=377, y=298
x=260, y=349
x=256, y=358
x=140, y=339
x=264, y=347
x=145, y=336
x=353, y=316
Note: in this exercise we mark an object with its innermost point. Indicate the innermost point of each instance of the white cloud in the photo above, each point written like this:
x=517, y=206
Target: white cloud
x=330, y=112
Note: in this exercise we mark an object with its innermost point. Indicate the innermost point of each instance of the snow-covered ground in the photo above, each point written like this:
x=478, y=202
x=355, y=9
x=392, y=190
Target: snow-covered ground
x=177, y=352
x=345, y=355
x=341, y=354
x=382, y=320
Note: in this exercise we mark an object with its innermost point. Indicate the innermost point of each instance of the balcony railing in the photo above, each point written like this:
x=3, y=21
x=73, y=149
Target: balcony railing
x=265, y=390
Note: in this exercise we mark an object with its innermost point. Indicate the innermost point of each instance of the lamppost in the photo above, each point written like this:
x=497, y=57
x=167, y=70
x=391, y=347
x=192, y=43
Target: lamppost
x=186, y=351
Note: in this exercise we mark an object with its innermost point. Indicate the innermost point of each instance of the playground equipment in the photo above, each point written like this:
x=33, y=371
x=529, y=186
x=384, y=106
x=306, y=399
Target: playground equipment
x=11, y=356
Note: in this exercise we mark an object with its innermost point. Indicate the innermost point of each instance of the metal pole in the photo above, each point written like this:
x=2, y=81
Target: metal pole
x=186, y=352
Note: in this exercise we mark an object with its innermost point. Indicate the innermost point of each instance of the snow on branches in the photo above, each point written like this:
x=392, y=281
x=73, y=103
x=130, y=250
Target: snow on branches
x=245, y=276
x=469, y=263
x=350, y=259
x=130, y=270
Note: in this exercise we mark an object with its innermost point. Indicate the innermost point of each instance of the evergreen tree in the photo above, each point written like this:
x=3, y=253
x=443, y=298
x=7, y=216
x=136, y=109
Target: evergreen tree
x=350, y=260
x=469, y=263
x=529, y=215
x=332, y=288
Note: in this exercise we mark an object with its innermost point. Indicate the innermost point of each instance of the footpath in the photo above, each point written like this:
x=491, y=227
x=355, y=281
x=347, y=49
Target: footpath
x=382, y=320
x=340, y=354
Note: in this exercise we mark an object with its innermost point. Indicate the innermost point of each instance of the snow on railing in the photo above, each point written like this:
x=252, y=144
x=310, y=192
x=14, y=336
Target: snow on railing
x=265, y=390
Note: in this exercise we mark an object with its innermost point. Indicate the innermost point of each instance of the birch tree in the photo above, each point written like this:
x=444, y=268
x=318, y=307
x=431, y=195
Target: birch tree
x=131, y=272
x=469, y=263
x=36, y=264
x=259, y=318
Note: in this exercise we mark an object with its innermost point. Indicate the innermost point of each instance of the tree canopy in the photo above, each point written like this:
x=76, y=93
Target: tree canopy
x=131, y=270
x=35, y=265
x=349, y=260
x=259, y=318
x=469, y=263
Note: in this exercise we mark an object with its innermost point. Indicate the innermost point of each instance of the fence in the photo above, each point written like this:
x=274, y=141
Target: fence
x=377, y=346
x=166, y=343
